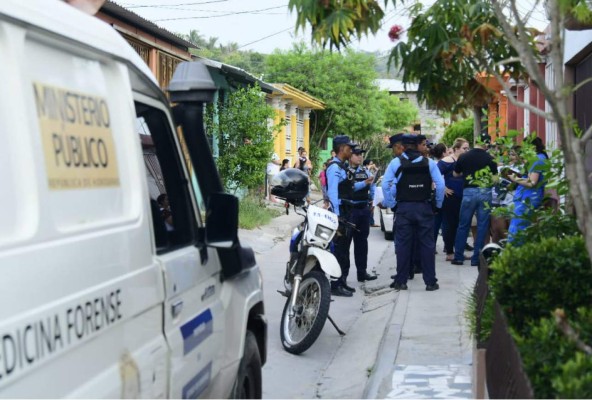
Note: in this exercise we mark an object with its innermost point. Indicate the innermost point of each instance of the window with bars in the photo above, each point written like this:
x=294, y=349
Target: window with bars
x=166, y=67
x=142, y=49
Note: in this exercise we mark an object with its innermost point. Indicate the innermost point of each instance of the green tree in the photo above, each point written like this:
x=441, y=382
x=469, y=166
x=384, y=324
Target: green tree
x=245, y=138
x=229, y=53
x=343, y=81
x=397, y=114
x=457, y=39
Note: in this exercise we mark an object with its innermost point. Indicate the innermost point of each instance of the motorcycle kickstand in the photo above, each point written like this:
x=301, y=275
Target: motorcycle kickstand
x=341, y=333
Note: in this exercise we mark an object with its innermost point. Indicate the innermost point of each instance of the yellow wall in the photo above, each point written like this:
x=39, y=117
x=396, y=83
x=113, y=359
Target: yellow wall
x=282, y=135
x=293, y=133
x=276, y=135
x=307, y=130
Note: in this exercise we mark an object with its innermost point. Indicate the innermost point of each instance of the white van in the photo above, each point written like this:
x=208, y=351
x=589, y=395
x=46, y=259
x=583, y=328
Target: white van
x=99, y=295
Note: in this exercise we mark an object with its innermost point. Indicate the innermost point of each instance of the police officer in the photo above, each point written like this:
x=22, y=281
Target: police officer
x=340, y=188
x=360, y=214
x=410, y=177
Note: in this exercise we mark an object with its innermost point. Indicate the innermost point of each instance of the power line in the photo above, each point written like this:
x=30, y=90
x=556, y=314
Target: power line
x=223, y=15
x=265, y=37
x=174, y=5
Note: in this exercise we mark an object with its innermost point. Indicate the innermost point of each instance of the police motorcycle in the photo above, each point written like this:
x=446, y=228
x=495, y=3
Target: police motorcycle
x=310, y=268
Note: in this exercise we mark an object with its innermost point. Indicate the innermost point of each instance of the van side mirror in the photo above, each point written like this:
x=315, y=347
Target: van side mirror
x=222, y=234
x=222, y=221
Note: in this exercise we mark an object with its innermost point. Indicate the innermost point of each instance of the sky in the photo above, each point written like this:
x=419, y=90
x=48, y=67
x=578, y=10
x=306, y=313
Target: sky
x=258, y=25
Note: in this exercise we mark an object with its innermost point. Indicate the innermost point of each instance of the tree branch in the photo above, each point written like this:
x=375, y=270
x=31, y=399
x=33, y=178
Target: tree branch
x=579, y=85
x=521, y=104
x=586, y=136
x=570, y=332
x=520, y=42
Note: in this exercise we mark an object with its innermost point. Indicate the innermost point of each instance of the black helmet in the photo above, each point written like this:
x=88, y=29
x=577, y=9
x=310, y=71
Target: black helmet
x=290, y=184
x=490, y=251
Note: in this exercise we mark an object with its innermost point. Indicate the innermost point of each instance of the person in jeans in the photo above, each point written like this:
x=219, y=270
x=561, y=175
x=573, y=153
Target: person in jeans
x=453, y=196
x=475, y=200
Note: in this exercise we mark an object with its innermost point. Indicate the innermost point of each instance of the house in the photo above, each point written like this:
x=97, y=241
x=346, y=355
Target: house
x=294, y=106
x=430, y=123
x=160, y=49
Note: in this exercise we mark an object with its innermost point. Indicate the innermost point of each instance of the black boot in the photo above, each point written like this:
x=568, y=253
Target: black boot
x=366, y=277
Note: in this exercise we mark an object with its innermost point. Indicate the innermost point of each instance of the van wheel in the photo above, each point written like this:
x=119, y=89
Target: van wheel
x=248, y=383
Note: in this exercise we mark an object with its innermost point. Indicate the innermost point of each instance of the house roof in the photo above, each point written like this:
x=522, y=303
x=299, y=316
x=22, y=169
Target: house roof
x=238, y=74
x=395, y=85
x=299, y=97
x=115, y=10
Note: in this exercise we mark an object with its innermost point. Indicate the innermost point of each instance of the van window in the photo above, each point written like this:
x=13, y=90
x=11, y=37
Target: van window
x=170, y=201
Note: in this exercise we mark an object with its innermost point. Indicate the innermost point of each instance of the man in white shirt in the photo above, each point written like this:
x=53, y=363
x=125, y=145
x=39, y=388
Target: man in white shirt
x=273, y=167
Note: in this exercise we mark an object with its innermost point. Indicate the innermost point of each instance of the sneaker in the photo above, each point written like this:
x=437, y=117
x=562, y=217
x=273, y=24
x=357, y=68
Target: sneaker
x=398, y=286
x=366, y=277
x=431, y=288
x=348, y=288
x=457, y=262
x=474, y=264
x=341, y=291
x=468, y=248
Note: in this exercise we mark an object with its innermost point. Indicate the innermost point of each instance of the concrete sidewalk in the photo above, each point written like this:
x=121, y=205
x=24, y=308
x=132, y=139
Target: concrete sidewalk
x=426, y=350
x=416, y=344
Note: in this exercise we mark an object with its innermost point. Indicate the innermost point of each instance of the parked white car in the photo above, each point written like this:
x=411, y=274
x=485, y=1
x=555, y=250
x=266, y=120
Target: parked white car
x=386, y=216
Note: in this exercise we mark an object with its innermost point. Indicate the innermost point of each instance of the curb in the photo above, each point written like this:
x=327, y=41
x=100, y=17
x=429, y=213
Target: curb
x=387, y=349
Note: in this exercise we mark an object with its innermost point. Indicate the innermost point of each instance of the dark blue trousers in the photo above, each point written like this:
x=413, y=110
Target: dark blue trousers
x=341, y=243
x=415, y=223
x=361, y=218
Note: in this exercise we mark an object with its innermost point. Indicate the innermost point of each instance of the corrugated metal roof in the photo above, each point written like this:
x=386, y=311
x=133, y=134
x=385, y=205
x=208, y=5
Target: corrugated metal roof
x=395, y=85
x=115, y=10
x=239, y=74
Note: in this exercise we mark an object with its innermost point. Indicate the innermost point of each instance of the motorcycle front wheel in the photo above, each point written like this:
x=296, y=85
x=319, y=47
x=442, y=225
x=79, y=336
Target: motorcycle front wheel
x=310, y=313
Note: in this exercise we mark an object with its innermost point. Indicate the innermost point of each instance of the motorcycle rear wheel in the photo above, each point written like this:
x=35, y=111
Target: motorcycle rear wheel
x=312, y=303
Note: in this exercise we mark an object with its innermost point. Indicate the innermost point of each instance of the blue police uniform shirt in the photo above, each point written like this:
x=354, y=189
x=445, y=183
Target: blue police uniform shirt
x=389, y=181
x=336, y=175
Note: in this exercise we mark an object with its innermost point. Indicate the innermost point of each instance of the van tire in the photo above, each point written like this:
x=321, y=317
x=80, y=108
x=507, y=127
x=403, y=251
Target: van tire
x=248, y=383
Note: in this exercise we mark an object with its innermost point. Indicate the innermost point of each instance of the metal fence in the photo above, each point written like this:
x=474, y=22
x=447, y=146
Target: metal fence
x=481, y=292
x=505, y=374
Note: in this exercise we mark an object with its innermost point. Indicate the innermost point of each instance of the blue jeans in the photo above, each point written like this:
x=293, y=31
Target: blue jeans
x=475, y=200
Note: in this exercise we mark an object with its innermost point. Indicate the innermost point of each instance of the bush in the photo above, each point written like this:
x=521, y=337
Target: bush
x=532, y=280
x=462, y=129
x=575, y=381
x=253, y=213
x=555, y=367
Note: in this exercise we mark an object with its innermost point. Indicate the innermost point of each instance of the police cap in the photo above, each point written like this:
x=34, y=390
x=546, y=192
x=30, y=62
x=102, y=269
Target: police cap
x=410, y=139
x=358, y=150
x=395, y=139
x=343, y=139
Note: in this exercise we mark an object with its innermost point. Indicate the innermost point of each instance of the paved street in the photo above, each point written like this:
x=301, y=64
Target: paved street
x=397, y=345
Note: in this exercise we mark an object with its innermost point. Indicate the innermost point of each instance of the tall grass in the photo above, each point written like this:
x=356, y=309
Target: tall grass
x=253, y=213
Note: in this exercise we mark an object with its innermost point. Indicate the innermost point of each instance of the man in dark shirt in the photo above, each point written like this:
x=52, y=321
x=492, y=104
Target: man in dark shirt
x=475, y=200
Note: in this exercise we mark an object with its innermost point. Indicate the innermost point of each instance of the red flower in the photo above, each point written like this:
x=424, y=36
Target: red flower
x=395, y=32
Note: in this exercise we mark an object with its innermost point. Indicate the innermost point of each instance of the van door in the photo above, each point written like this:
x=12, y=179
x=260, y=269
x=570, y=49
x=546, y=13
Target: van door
x=193, y=312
